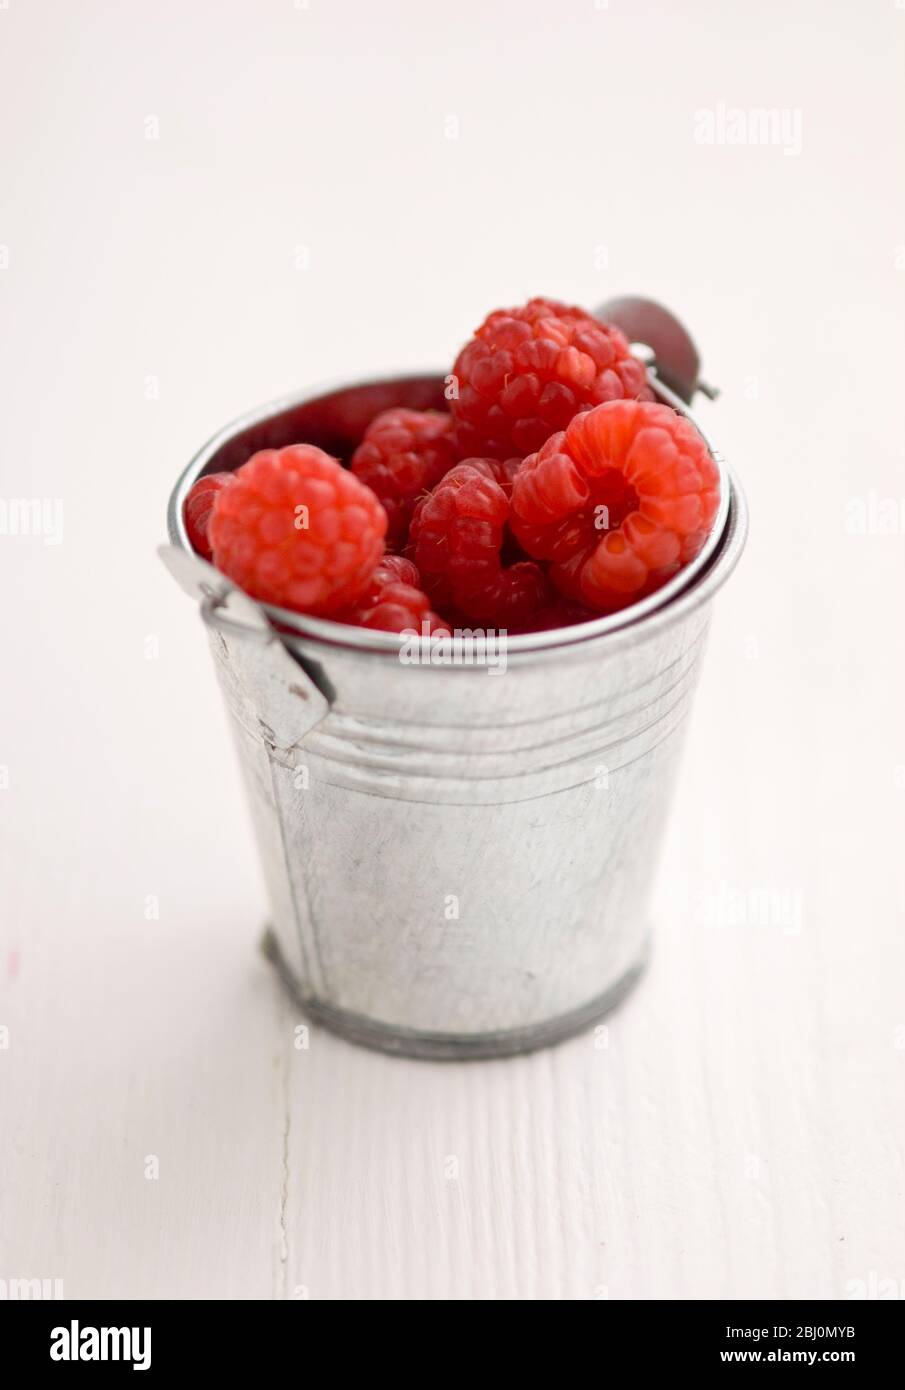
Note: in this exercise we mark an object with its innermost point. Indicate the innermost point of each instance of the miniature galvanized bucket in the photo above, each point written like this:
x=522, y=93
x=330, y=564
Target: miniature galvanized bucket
x=459, y=846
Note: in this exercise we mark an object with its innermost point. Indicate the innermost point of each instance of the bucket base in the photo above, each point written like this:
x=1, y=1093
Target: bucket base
x=451, y=1047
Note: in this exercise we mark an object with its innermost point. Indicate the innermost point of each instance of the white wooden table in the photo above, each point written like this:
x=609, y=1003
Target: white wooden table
x=179, y=237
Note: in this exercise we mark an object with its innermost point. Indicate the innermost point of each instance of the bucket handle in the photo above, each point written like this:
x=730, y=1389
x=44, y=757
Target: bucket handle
x=647, y=324
x=229, y=611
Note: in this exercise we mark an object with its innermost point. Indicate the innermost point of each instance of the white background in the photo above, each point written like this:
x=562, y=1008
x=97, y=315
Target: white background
x=742, y=1133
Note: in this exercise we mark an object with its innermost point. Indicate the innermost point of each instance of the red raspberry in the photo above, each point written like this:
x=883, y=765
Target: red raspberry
x=403, y=454
x=503, y=470
x=298, y=530
x=527, y=372
x=456, y=536
x=393, y=601
x=197, y=509
x=618, y=502
x=393, y=569
x=559, y=613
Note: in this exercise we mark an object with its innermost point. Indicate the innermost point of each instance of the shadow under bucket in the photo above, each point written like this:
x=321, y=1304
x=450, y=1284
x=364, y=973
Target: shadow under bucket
x=459, y=857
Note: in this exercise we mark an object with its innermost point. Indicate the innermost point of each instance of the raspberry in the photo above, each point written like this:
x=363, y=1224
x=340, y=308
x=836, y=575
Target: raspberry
x=559, y=613
x=197, y=509
x=393, y=569
x=403, y=454
x=298, y=530
x=618, y=502
x=528, y=371
x=503, y=470
x=393, y=601
x=456, y=537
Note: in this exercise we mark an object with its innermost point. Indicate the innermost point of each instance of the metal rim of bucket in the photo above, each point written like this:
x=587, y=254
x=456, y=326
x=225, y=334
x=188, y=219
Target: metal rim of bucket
x=725, y=540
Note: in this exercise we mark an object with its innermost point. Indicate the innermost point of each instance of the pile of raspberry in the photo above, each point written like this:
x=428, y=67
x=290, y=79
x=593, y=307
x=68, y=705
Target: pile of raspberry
x=554, y=490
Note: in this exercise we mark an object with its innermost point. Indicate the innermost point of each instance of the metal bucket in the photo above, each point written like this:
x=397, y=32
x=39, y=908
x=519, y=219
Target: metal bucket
x=458, y=857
